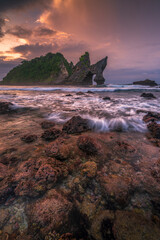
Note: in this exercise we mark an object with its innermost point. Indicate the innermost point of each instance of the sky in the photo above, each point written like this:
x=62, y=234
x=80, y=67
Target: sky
x=127, y=31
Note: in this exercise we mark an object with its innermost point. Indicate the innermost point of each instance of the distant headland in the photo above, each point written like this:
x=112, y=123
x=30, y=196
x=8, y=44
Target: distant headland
x=54, y=69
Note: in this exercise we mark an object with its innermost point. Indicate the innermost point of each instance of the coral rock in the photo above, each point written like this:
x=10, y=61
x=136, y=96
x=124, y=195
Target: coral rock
x=51, y=134
x=88, y=145
x=76, y=125
x=90, y=169
x=29, y=138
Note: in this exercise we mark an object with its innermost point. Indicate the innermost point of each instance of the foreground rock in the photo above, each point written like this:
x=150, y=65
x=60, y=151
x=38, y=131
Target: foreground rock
x=148, y=95
x=146, y=82
x=51, y=134
x=76, y=125
x=154, y=128
x=106, y=98
x=88, y=145
x=151, y=117
x=6, y=107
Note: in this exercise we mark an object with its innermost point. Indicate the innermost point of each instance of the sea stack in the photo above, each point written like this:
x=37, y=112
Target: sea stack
x=83, y=72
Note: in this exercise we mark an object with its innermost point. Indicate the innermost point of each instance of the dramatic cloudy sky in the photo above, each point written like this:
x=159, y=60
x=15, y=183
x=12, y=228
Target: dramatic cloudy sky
x=125, y=30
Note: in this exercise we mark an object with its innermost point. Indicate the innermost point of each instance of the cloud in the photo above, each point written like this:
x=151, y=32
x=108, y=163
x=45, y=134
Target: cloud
x=44, y=31
x=20, y=32
x=2, y=23
x=34, y=50
x=21, y=4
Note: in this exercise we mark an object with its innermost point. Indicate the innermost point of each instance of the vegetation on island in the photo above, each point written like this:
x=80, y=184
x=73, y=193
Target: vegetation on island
x=42, y=70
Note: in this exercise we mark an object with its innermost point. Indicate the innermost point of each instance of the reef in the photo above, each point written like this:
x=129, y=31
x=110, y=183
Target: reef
x=70, y=183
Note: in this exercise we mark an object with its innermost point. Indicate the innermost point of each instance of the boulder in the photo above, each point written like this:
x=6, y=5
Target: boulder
x=148, y=95
x=6, y=107
x=51, y=134
x=58, y=150
x=106, y=98
x=151, y=117
x=88, y=145
x=76, y=125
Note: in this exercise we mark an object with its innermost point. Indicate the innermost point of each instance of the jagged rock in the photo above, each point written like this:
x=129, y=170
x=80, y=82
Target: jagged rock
x=29, y=138
x=146, y=82
x=98, y=69
x=76, y=125
x=51, y=134
x=47, y=124
x=147, y=95
x=83, y=72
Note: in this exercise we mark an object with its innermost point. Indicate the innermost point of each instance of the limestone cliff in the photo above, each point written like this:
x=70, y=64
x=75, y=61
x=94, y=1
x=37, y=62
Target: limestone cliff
x=83, y=72
x=54, y=69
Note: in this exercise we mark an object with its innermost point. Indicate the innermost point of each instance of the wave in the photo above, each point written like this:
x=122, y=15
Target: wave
x=120, y=124
x=107, y=88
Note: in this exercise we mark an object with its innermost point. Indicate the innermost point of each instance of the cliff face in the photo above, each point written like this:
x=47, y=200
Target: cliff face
x=49, y=69
x=54, y=69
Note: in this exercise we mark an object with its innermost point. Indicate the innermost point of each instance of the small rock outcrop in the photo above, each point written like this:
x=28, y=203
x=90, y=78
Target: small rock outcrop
x=6, y=107
x=146, y=82
x=147, y=95
x=76, y=125
x=51, y=134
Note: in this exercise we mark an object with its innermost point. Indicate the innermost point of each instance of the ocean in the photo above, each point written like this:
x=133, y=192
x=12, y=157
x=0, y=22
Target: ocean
x=124, y=110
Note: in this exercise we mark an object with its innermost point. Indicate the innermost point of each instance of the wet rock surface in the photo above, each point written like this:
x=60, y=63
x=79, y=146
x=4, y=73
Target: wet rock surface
x=76, y=125
x=51, y=134
x=6, y=107
x=83, y=185
x=148, y=95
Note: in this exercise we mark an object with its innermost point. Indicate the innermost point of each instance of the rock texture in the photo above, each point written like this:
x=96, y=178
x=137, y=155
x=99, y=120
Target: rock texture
x=83, y=72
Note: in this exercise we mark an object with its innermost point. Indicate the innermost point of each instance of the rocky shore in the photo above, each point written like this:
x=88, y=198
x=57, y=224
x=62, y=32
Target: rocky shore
x=68, y=182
